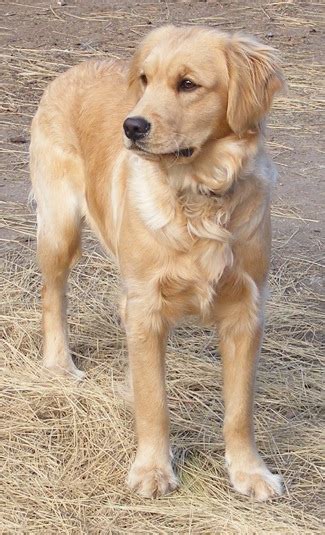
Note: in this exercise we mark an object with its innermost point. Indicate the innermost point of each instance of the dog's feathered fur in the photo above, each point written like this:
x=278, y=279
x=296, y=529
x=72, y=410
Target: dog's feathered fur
x=191, y=234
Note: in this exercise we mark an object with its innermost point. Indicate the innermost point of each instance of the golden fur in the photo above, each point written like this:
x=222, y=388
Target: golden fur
x=191, y=233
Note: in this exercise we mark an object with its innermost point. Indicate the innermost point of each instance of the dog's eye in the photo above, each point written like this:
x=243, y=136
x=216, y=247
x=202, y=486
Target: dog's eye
x=144, y=79
x=186, y=85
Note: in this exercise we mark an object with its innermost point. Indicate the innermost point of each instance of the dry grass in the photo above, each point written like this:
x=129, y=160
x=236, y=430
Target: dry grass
x=65, y=449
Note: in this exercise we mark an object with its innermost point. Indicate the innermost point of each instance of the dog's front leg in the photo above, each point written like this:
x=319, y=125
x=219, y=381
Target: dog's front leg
x=151, y=473
x=241, y=328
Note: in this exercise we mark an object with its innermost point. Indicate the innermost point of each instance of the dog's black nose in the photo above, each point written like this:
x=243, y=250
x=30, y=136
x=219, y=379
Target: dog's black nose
x=136, y=127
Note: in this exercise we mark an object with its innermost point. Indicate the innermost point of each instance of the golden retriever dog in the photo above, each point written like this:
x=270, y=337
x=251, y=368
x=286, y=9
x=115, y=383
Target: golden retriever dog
x=164, y=157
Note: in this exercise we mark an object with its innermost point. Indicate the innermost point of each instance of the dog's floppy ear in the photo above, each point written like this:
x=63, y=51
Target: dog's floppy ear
x=254, y=79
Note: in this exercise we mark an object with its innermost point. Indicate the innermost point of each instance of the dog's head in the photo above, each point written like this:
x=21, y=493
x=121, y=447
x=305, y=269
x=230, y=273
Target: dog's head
x=197, y=84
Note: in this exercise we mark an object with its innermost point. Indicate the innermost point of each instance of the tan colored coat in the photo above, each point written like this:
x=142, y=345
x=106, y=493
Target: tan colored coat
x=190, y=230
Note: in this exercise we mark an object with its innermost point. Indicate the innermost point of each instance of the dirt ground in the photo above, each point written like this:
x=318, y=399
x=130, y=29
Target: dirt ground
x=40, y=39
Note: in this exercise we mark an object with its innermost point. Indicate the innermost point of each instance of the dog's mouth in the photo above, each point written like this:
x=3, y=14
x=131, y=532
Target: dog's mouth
x=184, y=153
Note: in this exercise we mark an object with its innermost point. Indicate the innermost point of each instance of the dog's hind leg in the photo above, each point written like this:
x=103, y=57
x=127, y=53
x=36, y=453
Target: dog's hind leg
x=59, y=215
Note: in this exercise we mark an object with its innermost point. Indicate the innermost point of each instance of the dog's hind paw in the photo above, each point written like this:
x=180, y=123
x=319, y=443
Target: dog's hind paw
x=71, y=372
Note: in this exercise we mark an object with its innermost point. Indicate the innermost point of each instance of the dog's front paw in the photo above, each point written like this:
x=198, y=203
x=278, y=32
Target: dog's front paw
x=151, y=481
x=255, y=480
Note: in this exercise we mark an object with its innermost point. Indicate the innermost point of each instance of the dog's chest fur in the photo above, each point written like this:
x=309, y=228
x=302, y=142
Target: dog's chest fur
x=191, y=229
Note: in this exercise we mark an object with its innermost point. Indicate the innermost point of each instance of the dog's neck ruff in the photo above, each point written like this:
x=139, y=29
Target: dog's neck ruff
x=171, y=204
x=187, y=202
x=211, y=194
x=216, y=170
